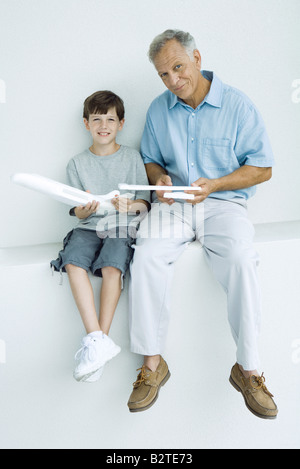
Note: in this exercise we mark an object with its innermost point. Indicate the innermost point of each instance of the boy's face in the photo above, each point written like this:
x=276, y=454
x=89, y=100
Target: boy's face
x=104, y=127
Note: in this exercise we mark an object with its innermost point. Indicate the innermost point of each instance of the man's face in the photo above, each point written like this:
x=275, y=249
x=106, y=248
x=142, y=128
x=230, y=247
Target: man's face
x=180, y=74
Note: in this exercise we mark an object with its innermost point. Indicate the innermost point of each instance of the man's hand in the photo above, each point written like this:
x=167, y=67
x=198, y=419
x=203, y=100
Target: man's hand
x=84, y=211
x=206, y=187
x=164, y=180
x=243, y=177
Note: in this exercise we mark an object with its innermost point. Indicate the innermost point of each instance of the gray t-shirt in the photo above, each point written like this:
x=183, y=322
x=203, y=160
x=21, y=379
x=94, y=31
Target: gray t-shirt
x=101, y=175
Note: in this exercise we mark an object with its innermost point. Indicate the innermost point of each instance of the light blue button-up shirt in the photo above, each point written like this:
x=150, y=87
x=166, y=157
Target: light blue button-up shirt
x=223, y=133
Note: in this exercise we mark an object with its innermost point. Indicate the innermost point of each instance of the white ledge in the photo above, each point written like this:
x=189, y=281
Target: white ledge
x=41, y=253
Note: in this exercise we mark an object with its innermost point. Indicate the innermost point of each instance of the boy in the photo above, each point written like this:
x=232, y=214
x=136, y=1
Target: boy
x=102, y=240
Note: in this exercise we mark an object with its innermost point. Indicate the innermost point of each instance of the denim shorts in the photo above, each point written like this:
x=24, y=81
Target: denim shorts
x=85, y=249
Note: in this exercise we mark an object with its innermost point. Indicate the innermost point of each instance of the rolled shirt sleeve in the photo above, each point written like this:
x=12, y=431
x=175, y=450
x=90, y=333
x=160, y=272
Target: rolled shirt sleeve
x=252, y=145
x=150, y=150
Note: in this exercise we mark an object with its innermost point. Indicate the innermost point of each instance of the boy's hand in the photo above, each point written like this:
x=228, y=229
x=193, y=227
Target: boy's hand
x=122, y=204
x=84, y=211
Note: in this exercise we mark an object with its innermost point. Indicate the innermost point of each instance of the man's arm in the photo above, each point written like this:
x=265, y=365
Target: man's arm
x=154, y=173
x=245, y=176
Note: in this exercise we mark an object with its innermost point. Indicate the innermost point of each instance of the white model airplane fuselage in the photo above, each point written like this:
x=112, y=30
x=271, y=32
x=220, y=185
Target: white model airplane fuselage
x=71, y=196
x=62, y=192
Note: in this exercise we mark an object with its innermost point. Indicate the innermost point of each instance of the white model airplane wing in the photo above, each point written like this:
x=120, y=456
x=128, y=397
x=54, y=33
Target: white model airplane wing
x=62, y=192
x=168, y=195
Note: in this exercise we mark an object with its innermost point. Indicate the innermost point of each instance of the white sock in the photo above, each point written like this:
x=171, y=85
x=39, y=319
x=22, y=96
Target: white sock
x=96, y=334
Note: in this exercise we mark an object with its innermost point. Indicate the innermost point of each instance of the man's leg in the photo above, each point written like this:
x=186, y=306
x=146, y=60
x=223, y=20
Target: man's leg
x=228, y=243
x=151, y=277
x=150, y=287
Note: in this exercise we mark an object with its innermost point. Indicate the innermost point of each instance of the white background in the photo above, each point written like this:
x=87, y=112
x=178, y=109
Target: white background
x=54, y=53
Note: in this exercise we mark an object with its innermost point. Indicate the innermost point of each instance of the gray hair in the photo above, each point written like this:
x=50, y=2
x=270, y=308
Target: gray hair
x=185, y=39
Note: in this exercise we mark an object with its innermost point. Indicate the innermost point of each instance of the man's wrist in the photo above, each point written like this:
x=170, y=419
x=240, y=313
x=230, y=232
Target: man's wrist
x=215, y=185
x=159, y=178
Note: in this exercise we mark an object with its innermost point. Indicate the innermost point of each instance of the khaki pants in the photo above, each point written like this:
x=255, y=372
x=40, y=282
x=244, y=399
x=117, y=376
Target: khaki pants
x=226, y=234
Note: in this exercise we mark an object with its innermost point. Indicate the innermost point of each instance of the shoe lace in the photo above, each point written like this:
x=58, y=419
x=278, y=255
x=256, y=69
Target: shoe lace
x=88, y=347
x=142, y=376
x=258, y=382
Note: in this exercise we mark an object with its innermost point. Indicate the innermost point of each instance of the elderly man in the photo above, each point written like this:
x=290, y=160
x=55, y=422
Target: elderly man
x=203, y=133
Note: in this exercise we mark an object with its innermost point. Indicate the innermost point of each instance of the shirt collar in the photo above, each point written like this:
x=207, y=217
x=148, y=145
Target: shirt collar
x=214, y=96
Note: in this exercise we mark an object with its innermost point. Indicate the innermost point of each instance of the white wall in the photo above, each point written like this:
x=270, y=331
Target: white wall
x=54, y=53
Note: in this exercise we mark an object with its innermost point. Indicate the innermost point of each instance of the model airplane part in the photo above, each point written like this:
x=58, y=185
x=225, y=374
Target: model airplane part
x=62, y=192
x=134, y=187
x=167, y=195
x=178, y=195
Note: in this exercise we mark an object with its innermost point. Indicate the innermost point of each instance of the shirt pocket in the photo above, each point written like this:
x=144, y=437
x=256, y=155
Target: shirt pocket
x=217, y=153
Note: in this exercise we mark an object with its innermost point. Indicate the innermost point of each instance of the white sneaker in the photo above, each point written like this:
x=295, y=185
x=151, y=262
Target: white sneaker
x=94, y=376
x=96, y=350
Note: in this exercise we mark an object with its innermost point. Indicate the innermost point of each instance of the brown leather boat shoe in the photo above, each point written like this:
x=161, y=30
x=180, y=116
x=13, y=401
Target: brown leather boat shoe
x=147, y=386
x=256, y=395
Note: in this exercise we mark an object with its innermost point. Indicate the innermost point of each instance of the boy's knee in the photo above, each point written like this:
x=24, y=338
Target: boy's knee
x=69, y=267
x=110, y=271
x=73, y=268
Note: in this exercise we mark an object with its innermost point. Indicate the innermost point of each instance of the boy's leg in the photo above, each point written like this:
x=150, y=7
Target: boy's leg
x=109, y=296
x=76, y=259
x=84, y=297
x=111, y=264
x=97, y=348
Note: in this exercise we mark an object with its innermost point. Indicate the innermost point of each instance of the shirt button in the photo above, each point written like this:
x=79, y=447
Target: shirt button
x=192, y=139
x=192, y=164
x=193, y=115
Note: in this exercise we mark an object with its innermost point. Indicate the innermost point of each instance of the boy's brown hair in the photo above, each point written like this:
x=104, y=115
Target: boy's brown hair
x=101, y=101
